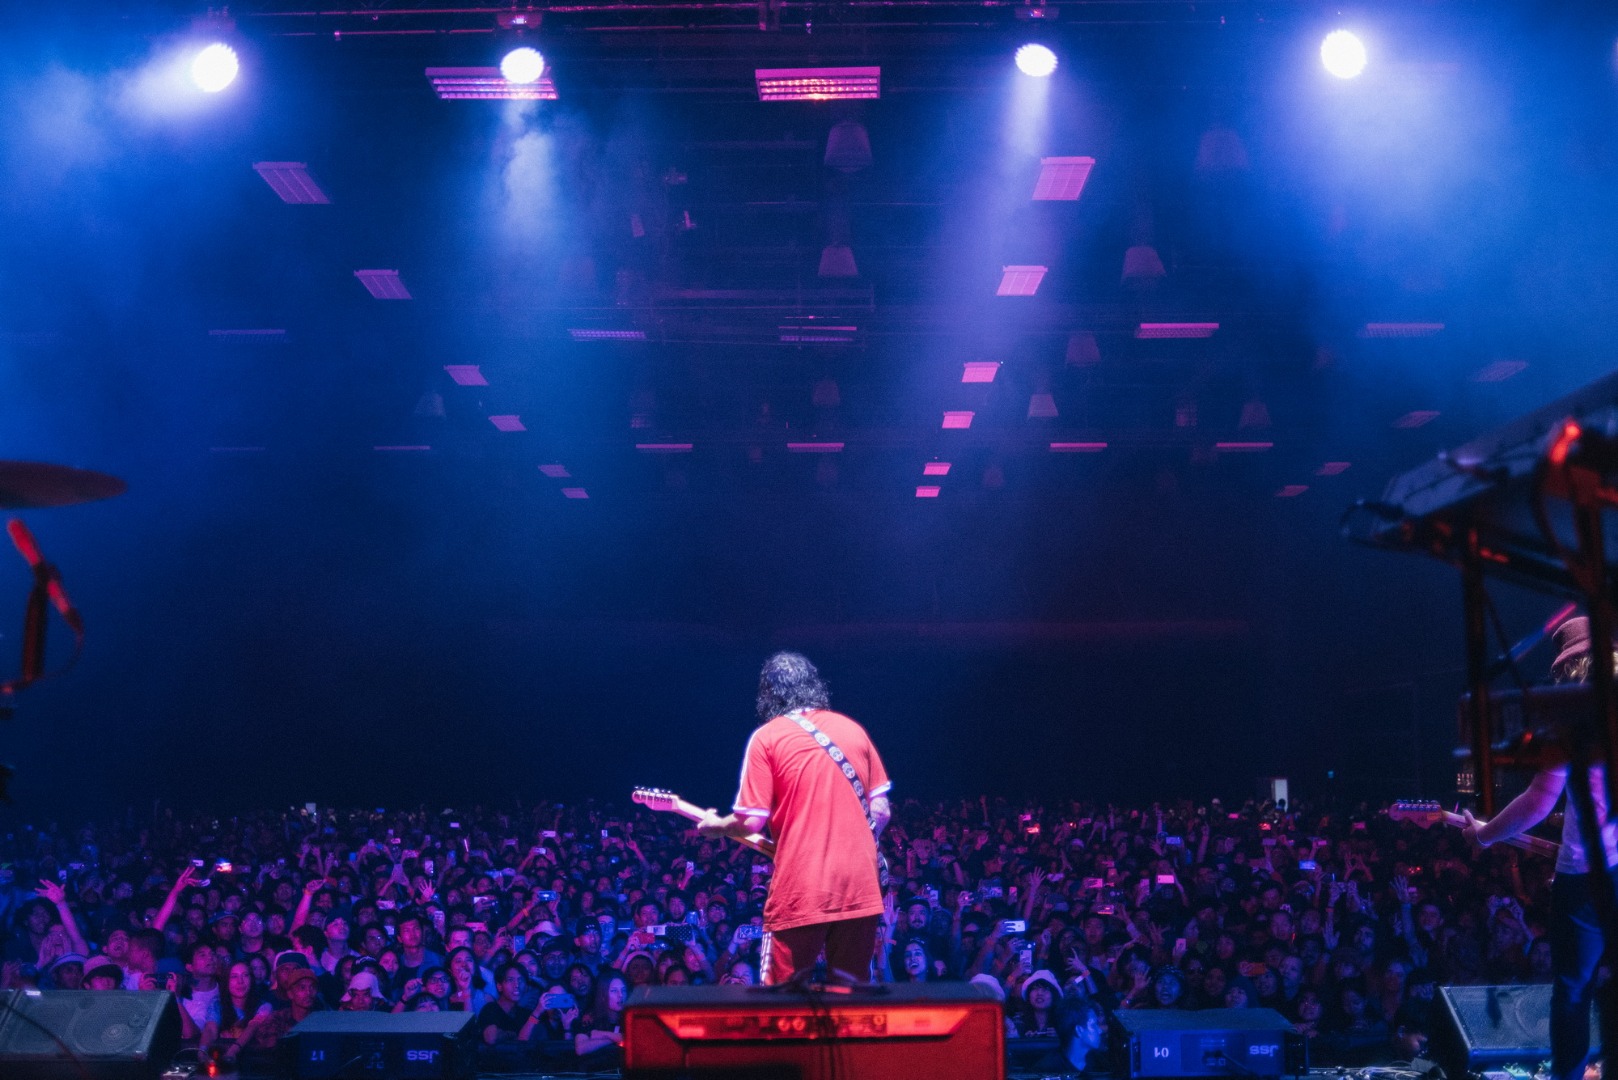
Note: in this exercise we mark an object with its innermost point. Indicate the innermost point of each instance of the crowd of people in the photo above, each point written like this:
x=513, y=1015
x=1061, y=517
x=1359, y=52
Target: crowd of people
x=541, y=921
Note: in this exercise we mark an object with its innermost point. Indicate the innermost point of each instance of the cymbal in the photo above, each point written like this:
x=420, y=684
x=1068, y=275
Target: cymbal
x=34, y=485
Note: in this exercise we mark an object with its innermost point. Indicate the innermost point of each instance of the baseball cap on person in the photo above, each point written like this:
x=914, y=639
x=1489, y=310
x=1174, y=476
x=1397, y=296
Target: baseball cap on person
x=293, y=976
x=364, y=980
x=103, y=965
x=291, y=958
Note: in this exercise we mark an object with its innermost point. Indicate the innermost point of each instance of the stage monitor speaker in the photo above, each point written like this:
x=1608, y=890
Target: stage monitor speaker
x=398, y=1046
x=921, y=1031
x=1211, y=1042
x=1488, y=1026
x=87, y=1034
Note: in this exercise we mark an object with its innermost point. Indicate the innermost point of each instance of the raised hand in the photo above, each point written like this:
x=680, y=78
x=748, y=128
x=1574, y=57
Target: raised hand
x=51, y=891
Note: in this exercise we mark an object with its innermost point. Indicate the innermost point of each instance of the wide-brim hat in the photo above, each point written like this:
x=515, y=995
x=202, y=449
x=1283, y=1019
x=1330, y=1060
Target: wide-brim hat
x=1572, y=640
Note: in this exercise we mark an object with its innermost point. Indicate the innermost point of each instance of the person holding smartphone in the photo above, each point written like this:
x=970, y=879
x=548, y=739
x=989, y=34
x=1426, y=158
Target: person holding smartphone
x=809, y=775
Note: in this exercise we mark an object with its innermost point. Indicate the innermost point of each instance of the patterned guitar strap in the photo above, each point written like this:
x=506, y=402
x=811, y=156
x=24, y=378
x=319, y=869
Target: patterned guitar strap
x=801, y=718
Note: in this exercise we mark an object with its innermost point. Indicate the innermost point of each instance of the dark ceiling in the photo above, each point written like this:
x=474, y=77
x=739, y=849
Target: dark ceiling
x=1459, y=191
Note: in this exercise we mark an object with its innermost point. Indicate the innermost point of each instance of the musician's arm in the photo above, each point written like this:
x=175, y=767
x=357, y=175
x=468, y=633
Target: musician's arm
x=738, y=827
x=1523, y=812
x=881, y=814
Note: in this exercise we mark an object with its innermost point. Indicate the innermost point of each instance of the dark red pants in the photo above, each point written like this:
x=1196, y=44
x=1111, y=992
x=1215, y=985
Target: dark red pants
x=849, y=944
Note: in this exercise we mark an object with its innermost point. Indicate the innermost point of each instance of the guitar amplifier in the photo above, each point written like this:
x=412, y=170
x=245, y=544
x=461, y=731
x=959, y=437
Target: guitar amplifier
x=1212, y=1042
x=1490, y=1027
x=921, y=1031
x=384, y=1046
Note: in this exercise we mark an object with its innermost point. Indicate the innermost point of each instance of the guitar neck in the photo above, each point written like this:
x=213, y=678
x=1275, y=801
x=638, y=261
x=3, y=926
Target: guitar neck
x=1532, y=844
x=757, y=841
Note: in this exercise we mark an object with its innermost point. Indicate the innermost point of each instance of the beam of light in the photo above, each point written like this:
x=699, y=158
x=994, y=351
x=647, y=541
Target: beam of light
x=1036, y=61
x=1026, y=119
x=214, y=68
x=522, y=65
x=1343, y=54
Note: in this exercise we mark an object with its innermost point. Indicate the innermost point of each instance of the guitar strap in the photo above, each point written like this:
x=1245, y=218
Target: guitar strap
x=801, y=718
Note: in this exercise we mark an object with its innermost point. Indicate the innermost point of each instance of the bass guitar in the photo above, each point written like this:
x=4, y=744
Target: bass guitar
x=1428, y=814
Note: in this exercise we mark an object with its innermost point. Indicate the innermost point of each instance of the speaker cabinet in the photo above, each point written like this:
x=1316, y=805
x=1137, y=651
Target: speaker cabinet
x=1489, y=1026
x=395, y=1046
x=87, y=1034
x=921, y=1031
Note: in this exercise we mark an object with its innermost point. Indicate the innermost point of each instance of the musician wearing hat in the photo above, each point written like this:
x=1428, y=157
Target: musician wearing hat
x=1577, y=940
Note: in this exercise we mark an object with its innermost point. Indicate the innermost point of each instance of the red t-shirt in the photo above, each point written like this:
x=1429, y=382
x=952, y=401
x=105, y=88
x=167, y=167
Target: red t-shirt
x=825, y=855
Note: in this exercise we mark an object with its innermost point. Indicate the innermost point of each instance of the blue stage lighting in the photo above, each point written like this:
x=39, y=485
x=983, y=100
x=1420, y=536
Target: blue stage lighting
x=1343, y=54
x=523, y=65
x=214, y=68
x=1036, y=60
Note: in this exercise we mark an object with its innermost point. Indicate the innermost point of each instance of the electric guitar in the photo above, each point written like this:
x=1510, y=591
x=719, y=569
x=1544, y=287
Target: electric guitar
x=1428, y=814
x=659, y=799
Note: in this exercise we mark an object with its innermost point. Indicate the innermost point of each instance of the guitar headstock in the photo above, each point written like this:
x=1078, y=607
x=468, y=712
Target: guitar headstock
x=655, y=798
x=1422, y=812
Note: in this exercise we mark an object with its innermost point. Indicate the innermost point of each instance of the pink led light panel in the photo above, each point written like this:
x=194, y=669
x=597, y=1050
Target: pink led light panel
x=603, y=334
x=661, y=448
x=1061, y=179
x=935, y=468
x=575, y=493
x=1176, y=329
x=383, y=284
x=466, y=374
x=1416, y=418
x=507, y=423
x=818, y=333
x=927, y=491
x=291, y=181
x=1400, y=329
x=1020, y=280
x=486, y=84
x=980, y=371
x=1332, y=468
x=555, y=472
x=1292, y=491
x=1500, y=370
x=1077, y=447
x=815, y=447
x=958, y=419
x=818, y=84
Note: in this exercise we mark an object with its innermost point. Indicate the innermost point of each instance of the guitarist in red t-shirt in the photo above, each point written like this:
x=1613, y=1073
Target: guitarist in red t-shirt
x=814, y=778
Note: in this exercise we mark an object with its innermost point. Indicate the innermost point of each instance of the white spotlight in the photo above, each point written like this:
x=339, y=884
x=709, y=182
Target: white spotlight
x=522, y=66
x=1343, y=54
x=1036, y=60
x=214, y=68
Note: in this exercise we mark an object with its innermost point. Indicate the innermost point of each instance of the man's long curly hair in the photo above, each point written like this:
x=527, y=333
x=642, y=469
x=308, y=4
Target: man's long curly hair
x=787, y=682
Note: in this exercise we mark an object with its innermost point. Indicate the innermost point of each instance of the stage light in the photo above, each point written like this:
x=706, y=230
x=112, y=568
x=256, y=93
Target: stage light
x=1036, y=60
x=214, y=68
x=1343, y=54
x=522, y=66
